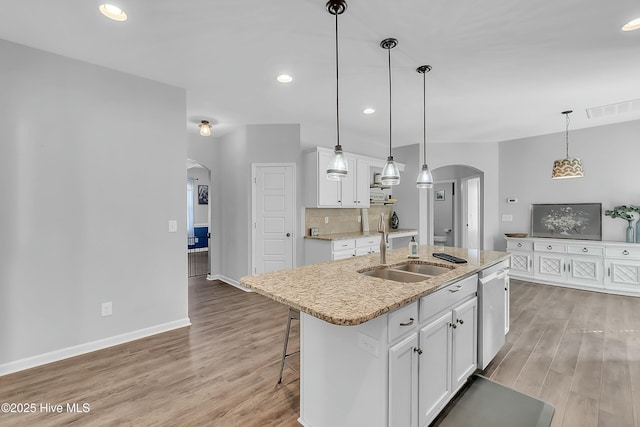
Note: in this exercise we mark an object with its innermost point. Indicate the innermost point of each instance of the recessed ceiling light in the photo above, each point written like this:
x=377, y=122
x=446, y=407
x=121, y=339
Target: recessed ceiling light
x=284, y=78
x=631, y=25
x=113, y=12
x=368, y=111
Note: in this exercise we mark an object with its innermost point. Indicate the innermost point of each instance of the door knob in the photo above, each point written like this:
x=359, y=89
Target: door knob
x=288, y=234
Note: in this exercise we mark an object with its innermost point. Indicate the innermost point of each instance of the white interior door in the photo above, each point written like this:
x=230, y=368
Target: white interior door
x=273, y=240
x=471, y=213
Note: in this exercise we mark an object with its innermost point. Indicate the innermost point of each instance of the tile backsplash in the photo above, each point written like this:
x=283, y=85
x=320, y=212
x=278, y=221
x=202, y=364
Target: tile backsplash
x=344, y=220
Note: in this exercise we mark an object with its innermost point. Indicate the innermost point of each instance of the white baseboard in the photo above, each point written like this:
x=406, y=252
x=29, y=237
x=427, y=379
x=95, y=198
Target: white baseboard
x=77, y=350
x=228, y=281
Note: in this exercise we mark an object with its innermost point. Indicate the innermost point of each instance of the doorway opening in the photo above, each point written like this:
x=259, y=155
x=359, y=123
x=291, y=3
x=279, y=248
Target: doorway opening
x=458, y=206
x=198, y=223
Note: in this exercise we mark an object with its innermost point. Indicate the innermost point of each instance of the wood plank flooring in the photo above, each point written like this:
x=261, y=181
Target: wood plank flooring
x=578, y=350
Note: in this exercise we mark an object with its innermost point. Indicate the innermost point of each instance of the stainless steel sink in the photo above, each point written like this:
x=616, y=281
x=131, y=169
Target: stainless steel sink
x=426, y=269
x=395, y=275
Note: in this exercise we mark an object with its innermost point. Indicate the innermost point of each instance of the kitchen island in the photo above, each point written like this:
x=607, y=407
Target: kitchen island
x=378, y=352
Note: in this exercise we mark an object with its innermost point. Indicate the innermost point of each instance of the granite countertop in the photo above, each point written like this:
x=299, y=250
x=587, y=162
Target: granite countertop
x=337, y=293
x=356, y=234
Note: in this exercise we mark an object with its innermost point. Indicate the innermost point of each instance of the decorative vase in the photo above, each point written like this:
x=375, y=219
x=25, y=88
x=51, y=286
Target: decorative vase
x=395, y=222
x=630, y=234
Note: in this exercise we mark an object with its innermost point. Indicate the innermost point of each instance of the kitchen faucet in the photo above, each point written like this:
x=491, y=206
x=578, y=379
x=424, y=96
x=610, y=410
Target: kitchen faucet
x=383, y=240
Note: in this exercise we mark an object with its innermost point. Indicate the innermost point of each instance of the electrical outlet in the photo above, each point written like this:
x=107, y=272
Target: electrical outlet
x=507, y=218
x=173, y=226
x=326, y=220
x=107, y=309
x=368, y=344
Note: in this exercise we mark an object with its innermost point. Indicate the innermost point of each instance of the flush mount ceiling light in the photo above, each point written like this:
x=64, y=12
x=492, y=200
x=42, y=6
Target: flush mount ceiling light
x=368, y=111
x=113, y=12
x=390, y=172
x=338, y=167
x=284, y=78
x=631, y=25
x=205, y=128
x=425, y=179
x=567, y=167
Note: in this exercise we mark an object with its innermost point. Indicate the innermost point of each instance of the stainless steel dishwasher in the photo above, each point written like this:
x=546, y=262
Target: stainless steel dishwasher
x=493, y=313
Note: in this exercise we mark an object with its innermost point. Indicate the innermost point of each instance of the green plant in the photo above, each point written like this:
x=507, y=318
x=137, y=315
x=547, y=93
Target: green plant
x=625, y=212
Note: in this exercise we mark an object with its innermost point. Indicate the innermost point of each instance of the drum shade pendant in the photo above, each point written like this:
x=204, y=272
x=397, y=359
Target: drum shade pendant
x=425, y=179
x=390, y=172
x=567, y=167
x=338, y=168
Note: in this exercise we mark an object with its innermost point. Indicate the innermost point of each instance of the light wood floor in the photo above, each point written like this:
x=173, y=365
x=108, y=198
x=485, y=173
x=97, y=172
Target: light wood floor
x=580, y=351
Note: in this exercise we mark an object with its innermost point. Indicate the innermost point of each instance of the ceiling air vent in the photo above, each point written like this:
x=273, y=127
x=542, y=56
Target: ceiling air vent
x=625, y=107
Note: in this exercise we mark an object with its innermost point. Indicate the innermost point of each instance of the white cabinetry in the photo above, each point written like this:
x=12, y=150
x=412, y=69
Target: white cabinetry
x=318, y=250
x=353, y=192
x=444, y=357
x=521, y=257
x=623, y=268
x=611, y=267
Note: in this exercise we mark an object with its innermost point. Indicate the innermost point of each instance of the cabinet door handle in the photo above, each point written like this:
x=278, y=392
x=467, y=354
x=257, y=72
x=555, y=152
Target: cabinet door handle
x=564, y=267
x=530, y=263
x=417, y=350
x=453, y=325
x=519, y=245
x=609, y=272
x=585, y=250
x=409, y=323
x=455, y=290
x=569, y=268
x=549, y=247
x=460, y=321
x=625, y=252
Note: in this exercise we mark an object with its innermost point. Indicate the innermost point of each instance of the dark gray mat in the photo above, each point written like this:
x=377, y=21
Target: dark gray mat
x=485, y=403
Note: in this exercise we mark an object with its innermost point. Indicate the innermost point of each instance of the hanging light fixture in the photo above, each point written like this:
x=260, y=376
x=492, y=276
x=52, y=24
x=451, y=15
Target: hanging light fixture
x=390, y=172
x=567, y=167
x=425, y=179
x=338, y=167
x=205, y=128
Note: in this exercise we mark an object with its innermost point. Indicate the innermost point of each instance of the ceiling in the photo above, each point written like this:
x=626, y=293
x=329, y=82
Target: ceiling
x=502, y=69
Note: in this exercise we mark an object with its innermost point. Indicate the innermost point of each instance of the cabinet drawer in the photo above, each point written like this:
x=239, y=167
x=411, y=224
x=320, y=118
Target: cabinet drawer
x=443, y=299
x=403, y=320
x=367, y=241
x=341, y=245
x=343, y=254
x=585, y=250
x=520, y=245
x=630, y=252
x=550, y=247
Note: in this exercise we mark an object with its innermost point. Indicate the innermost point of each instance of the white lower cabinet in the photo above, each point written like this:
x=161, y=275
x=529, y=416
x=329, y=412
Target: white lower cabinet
x=623, y=274
x=426, y=368
x=403, y=382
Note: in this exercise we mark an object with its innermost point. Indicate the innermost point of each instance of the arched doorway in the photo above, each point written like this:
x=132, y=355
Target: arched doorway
x=198, y=219
x=458, y=206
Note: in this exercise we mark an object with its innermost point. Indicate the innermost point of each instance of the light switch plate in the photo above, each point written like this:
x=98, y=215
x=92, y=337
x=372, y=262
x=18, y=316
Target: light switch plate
x=173, y=226
x=368, y=344
x=507, y=218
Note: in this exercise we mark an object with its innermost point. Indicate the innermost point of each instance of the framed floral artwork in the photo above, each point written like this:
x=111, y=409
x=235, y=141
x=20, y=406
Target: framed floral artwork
x=581, y=221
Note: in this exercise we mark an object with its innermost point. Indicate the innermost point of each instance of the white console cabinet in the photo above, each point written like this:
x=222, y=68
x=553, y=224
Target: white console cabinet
x=612, y=267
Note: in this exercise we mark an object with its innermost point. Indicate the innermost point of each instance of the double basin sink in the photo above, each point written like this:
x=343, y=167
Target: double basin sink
x=411, y=271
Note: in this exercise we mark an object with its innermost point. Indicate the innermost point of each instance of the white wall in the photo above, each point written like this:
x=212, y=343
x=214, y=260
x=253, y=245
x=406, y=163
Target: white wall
x=238, y=149
x=92, y=167
x=406, y=192
x=610, y=156
x=482, y=156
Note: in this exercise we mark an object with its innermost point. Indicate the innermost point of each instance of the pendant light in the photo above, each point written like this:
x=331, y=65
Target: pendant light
x=390, y=172
x=425, y=179
x=338, y=167
x=205, y=128
x=567, y=167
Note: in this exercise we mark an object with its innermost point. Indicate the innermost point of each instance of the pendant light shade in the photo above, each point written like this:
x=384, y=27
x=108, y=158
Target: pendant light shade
x=338, y=168
x=567, y=167
x=390, y=172
x=205, y=128
x=425, y=179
